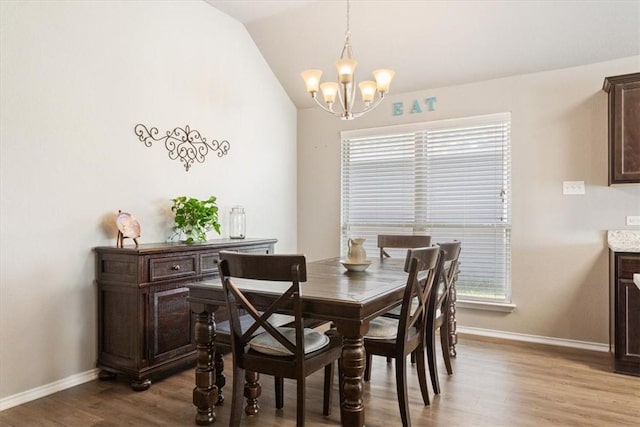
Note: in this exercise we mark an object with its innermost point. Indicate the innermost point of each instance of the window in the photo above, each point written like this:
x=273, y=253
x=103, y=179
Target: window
x=450, y=179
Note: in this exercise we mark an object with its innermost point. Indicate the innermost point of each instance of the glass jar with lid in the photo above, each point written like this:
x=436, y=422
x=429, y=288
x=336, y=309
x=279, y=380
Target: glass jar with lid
x=237, y=223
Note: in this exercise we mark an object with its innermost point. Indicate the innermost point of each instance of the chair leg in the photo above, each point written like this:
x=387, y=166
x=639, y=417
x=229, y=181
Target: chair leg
x=279, y=386
x=413, y=357
x=431, y=357
x=300, y=407
x=444, y=343
x=401, y=386
x=340, y=382
x=367, y=368
x=328, y=385
x=236, y=398
x=422, y=374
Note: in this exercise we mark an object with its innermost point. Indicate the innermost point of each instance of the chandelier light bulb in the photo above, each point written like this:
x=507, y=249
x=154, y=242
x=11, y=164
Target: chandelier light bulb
x=368, y=91
x=346, y=67
x=383, y=79
x=329, y=92
x=312, y=80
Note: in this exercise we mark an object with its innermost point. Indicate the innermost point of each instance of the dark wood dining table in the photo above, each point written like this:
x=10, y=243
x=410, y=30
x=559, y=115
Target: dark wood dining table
x=348, y=299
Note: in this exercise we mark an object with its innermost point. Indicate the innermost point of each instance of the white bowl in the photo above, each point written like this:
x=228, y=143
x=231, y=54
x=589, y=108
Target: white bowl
x=355, y=266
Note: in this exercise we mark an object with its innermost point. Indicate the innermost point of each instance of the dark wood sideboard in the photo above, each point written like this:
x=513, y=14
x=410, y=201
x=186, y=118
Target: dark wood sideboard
x=145, y=325
x=624, y=336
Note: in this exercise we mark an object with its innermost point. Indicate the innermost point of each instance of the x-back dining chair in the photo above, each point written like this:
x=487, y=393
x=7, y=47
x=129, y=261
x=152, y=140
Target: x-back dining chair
x=293, y=352
x=396, y=241
x=397, y=338
x=438, y=311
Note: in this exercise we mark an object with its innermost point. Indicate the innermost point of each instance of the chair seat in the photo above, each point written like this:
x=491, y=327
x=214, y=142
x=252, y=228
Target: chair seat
x=265, y=343
x=385, y=329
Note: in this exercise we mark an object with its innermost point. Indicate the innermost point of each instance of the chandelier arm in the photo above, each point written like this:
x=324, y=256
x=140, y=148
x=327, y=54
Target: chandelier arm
x=328, y=110
x=369, y=108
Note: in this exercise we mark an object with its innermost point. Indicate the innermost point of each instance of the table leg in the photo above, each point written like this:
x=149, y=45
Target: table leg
x=353, y=363
x=451, y=318
x=205, y=394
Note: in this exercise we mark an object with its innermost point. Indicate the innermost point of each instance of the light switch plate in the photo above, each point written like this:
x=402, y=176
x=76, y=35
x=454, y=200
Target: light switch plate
x=573, y=187
x=633, y=220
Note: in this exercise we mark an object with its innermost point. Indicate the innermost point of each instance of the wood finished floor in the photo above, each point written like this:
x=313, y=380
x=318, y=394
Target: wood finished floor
x=495, y=383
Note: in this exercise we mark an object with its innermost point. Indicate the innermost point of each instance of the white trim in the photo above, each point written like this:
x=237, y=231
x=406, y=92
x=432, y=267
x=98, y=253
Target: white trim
x=485, y=305
x=414, y=127
x=560, y=342
x=47, y=389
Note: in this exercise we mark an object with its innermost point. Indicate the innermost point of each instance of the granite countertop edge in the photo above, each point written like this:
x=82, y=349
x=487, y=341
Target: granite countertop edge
x=624, y=240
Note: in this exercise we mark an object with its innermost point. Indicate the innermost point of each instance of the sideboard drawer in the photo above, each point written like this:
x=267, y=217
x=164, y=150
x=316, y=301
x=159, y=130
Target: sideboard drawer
x=172, y=268
x=209, y=263
x=627, y=266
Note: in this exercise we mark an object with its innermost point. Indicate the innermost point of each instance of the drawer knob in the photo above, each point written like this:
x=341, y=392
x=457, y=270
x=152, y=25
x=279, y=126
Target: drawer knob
x=175, y=267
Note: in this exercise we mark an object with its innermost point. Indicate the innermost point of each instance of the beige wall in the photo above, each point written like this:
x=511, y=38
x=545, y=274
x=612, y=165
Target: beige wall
x=76, y=77
x=559, y=133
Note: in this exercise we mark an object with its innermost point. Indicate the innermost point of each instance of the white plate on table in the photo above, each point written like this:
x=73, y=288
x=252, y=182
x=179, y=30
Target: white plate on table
x=355, y=266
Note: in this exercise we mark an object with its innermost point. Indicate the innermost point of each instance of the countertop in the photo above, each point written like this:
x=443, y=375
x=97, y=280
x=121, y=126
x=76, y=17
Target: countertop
x=624, y=240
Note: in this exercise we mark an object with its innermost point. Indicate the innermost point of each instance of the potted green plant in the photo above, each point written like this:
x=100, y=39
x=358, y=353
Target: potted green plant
x=194, y=217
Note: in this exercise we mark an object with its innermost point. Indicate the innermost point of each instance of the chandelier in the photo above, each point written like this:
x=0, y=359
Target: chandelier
x=344, y=90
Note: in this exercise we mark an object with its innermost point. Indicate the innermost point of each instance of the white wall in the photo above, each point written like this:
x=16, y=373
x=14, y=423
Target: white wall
x=76, y=77
x=559, y=133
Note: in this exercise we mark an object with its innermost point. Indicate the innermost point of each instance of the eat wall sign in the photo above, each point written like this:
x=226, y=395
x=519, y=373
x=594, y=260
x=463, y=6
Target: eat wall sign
x=415, y=107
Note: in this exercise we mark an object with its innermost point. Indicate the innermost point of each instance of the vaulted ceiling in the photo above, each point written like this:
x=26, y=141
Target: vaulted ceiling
x=432, y=43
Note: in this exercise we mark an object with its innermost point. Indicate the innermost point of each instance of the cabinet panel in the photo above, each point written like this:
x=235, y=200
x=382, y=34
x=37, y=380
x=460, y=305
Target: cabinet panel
x=625, y=313
x=627, y=265
x=624, y=128
x=629, y=320
x=171, y=324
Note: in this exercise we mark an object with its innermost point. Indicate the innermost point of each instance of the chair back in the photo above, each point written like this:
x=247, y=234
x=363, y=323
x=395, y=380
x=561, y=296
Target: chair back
x=448, y=275
x=401, y=242
x=423, y=266
x=280, y=268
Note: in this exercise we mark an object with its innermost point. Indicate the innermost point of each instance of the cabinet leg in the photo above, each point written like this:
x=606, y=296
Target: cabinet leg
x=141, y=385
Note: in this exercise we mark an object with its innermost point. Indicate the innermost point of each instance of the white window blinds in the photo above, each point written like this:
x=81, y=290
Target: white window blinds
x=450, y=179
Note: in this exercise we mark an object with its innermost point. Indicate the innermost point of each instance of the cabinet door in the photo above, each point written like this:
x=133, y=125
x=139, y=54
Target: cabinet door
x=171, y=324
x=625, y=133
x=628, y=345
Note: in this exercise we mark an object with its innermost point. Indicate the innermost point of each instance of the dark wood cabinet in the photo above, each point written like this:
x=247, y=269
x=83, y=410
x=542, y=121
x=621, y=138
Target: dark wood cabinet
x=624, y=322
x=624, y=128
x=145, y=325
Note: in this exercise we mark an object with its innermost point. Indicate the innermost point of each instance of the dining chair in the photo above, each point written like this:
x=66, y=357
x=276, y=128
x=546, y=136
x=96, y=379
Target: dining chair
x=398, y=337
x=394, y=241
x=438, y=310
x=284, y=352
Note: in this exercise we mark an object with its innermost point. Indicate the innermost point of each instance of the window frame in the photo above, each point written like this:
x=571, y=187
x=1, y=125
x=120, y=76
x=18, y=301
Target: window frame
x=424, y=226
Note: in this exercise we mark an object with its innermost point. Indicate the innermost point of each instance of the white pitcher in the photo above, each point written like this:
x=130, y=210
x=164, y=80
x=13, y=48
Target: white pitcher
x=356, y=253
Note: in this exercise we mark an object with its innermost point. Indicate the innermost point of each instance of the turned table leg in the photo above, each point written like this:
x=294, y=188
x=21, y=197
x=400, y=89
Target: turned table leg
x=451, y=318
x=205, y=394
x=353, y=364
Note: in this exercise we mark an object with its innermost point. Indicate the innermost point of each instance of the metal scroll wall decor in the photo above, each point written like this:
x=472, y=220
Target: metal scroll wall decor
x=184, y=144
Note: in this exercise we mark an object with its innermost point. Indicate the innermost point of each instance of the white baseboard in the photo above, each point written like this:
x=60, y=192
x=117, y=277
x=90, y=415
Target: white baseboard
x=561, y=342
x=47, y=389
